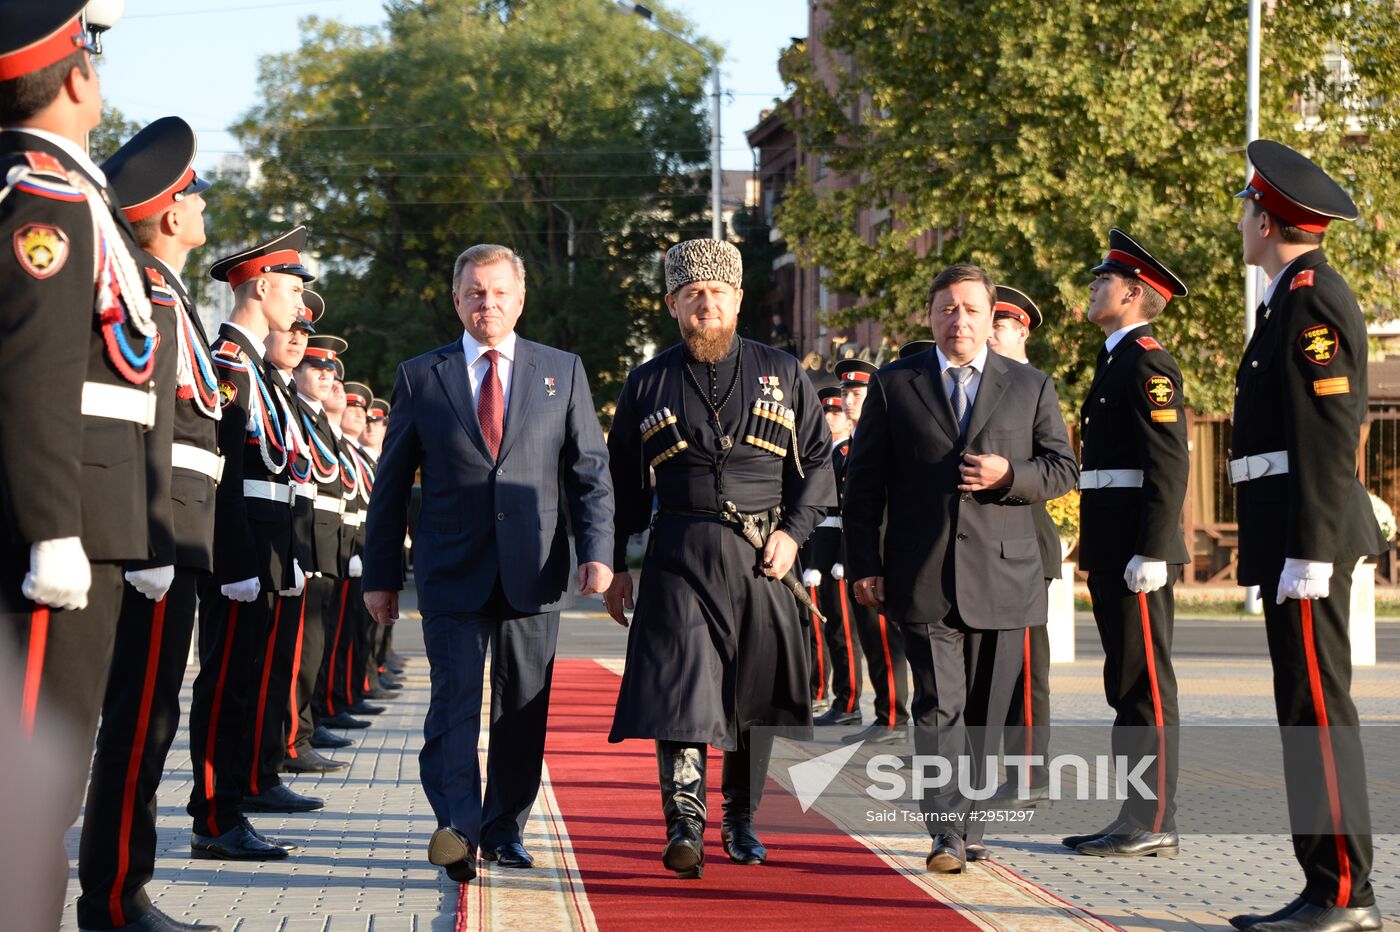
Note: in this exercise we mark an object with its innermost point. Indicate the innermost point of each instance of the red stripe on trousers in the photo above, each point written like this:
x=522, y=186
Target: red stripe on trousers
x=349, y=672
x=262, y=696
x=133, y=767
x=1329, y=762
x=34, y=668
x=335, y=644
x=850, y=650
x=1150, y=658
x=296, y=671
x=889, y=668
x=1027, y=695
x=210, y=820
x=817, y=639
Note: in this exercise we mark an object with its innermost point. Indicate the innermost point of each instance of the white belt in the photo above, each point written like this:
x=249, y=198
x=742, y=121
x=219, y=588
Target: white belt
x=1110, y=479
x=833, y=521
x=306, y=490
x=195, y=459
x=354, y=519
x=1258, y=466
x=119, y=403
x=270, y=491
x=330, y=503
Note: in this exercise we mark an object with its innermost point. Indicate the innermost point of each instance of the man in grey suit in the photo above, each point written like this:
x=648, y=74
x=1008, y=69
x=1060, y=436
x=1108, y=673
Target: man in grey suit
x=956, y=442
x=511, y=455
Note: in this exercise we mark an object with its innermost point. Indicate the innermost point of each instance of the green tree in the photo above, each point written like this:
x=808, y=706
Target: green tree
x=1022, y=139
x=461, y=122
x=110, y=134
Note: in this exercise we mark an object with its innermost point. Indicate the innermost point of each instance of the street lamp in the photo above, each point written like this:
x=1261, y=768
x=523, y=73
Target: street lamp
x=716, y=172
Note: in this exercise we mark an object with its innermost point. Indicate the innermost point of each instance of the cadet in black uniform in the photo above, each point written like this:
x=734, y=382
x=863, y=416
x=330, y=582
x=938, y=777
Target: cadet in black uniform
x=352, y=424
x=1300, y=399
x=882, y=642
x=372, y=440
x=153, y=176
x=78, y=380
x=716, y=646
x=1133, y=471
x=1014, y=316
x=840, y=654
x=253, y=547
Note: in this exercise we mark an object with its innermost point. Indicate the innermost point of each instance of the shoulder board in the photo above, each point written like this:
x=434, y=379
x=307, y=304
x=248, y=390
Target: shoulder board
x=45, y=164
x=228, y=348
x=1148, y=343
x=154, y=277
x=1302, y=280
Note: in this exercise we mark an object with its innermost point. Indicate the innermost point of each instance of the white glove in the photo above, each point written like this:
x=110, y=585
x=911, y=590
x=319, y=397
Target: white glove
x=1304, y=579
x=298, y=581
x=245, y=591
x=153, y=583
x=59, y=575
x=356, y=567
x=812, y=578
x=838, y=571
x=1145, y=575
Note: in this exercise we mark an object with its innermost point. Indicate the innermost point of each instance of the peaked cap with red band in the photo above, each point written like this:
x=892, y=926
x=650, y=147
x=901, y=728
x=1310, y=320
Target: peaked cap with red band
x=36, y=35
x=831, y=398
x=282, y=254
x=855, y=373
x=1290, y=186
x=378, y=410
x=323, y=351
x=155, y=169
x=358, y=395
x=312, y=311
x=1017, y=305
x=1126, y=256
x=914, y=347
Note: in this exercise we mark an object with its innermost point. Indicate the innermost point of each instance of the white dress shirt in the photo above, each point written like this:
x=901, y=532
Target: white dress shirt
x=477, y=366
x=69, y=148
x=977, y=364
x=1117, y=336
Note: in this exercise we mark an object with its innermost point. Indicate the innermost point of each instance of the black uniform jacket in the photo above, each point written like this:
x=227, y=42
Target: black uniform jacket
x=64, y=474
x=303, y=509
x=325, y=452
x=942, y=547
x=1134, y=417
x=252, y=535
x=1301, y=389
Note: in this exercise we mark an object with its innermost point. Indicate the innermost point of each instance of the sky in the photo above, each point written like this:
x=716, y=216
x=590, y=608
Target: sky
x=198, y=59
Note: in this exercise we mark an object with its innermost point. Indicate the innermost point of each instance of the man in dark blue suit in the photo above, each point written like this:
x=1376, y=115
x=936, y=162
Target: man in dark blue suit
x=511, y=454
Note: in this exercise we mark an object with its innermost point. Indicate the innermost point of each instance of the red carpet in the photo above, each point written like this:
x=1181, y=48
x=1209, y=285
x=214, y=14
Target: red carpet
x=610, y=802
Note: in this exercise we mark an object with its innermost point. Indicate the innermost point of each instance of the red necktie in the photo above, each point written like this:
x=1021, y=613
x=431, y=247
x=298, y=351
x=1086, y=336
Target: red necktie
x=489, y=407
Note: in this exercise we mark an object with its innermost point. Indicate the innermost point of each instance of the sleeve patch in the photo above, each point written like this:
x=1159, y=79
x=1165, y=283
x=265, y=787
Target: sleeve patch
x=1319, y=344
x=1164, y=416
x=1148, y=343
x=227, y=393
x=1302, y=280
x=1160, y=390
x=41, y=249
x=1337, y=386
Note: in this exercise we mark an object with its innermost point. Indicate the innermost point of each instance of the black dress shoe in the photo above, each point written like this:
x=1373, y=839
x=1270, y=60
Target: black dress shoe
x=876, y=733
x=1133, y=843
x=740, y=842
x=1074, y=841
x=237, y=844
x=323, y=739
x=364, y=708
x=835, y=716
x=156, y=921
x=1249, y=920
x=978, y=852
x=280, y=798
x=309, y=761
x=947, y=856
x=685, y=849
x=510, y=854
x=374, y=692
x=286, y=846
x=1011, y=796
x=450, y=850
x=1311, y=918
x=388, y=682
x=344, y=720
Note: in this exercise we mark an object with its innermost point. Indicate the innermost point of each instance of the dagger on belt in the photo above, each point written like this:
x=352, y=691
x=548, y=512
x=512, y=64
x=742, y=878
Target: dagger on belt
x=748, y=529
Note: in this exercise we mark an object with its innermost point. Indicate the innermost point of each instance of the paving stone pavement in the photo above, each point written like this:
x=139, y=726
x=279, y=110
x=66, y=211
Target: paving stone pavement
x=362, y=866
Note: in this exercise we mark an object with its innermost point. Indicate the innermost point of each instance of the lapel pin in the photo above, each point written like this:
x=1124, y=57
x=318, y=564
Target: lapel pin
x=549, y=386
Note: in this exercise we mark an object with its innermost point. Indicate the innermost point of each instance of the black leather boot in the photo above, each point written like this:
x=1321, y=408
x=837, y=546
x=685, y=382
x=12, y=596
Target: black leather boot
x=745, y=771
x=681, y=770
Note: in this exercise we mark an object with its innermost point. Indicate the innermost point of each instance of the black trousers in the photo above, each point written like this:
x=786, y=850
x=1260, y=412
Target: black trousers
x=1028, y=719
x=1140, y=686
x=66, y=658
x=358, y=651
x=331, y=693
x=232, y=638
x=963, y=678
x=882, y=641
x=1324, y=767
x=818, y=668
x=271, y=713
x=140, y=716
x=842, y=649
x=319, y=598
